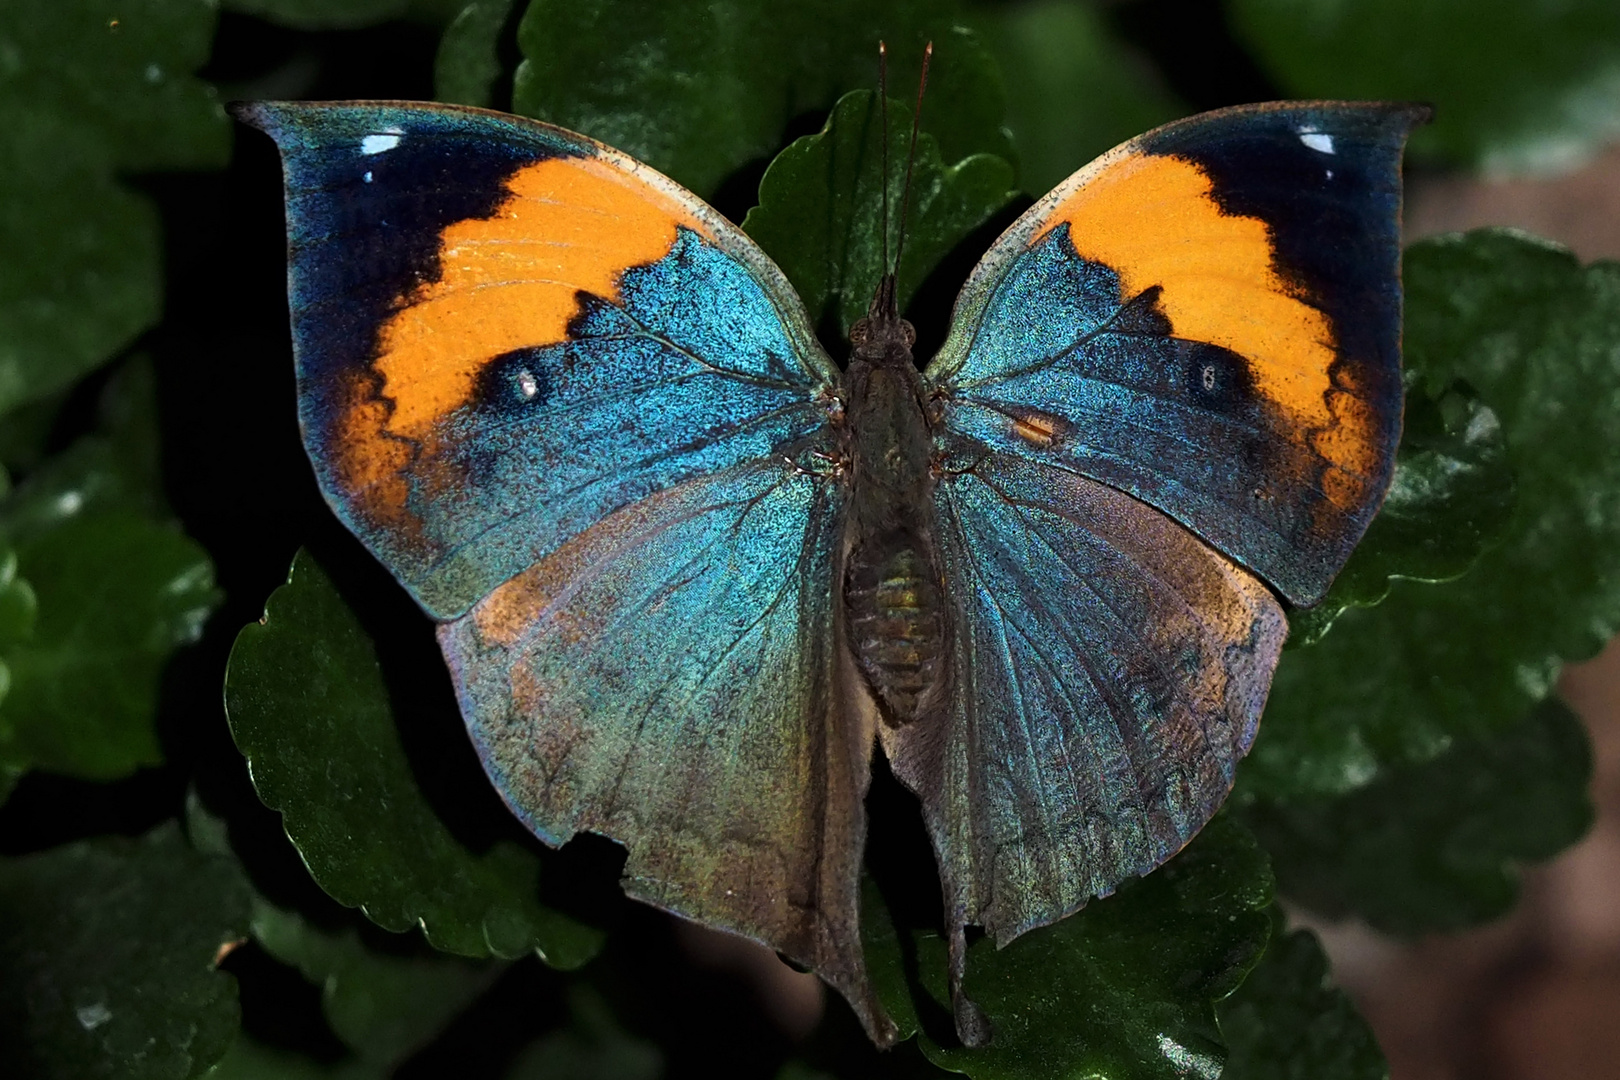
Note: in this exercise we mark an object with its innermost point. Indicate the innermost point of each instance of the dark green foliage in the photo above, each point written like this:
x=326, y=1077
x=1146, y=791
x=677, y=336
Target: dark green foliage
x=88, y=89
x=1435, y=846
x=1534, y=333
x=1073, y=89
x=820, y=210
x=1408, y=763
x=1125, y=988
x=1516, y=86
x=1288, y=1022
x=304, y=693
x=697, y=88
x=109, y=954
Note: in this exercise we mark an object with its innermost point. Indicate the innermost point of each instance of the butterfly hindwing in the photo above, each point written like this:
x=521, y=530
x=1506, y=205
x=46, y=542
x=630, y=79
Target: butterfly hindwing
x=669, y=678
x=1207, y=318
x=505, y=331
x=1111, y=669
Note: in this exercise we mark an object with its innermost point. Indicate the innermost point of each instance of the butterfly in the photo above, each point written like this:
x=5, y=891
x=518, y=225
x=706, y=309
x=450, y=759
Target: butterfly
x=689, y=572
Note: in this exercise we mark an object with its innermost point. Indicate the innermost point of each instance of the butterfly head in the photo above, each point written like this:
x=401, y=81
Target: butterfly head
x=883, y=337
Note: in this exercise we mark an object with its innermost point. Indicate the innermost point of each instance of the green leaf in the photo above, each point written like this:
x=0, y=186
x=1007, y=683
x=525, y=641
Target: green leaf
x=468, y=65
x=87, y=89
x=117, y=594
x=1452, y=495
x=1124, y=989
x=1074, y=90
x=1435, y=846
x=1516, y=86
x=105, y=972
x=1289, y=1022
x=112, y=468
x=592, y=1047
x=699, y=88
x=383, y=1007
x=820, y=210
x=309, y=709
x=1538, y=336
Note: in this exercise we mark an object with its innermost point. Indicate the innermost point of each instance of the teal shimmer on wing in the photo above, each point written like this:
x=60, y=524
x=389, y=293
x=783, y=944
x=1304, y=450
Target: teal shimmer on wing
x=1113, y=668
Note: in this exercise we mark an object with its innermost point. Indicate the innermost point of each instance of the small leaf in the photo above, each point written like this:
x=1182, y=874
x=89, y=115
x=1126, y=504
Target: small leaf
x=383, y=1007
x=104, y=972
x=820, y=210
x=1452, y=495
x=1515, y=86
x=1125, y=989
x=117, y=594
x=1435, y=846
x=699, y=88
x=1073, y=89
x=1289, y=1022
x=309, y=709
x=86, y=89
x=1538, y=337
x=468, y=65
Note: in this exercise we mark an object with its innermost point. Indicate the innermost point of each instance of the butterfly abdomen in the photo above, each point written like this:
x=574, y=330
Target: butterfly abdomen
x=893, y=609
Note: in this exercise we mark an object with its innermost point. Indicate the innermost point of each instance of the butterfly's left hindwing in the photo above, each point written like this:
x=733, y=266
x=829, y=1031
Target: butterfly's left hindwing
x=505, y=332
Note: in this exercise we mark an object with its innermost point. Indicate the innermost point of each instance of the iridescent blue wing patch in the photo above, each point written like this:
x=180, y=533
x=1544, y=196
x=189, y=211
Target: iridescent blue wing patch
x=505, y=331
x=669, y=678
x=1207, y=318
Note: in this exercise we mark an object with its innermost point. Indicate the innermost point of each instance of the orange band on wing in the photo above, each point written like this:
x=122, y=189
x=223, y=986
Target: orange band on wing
x=1156, y=222
x=509, y=281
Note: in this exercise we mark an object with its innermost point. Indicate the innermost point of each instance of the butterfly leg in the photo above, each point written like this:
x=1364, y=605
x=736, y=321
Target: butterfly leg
x=972, y=1026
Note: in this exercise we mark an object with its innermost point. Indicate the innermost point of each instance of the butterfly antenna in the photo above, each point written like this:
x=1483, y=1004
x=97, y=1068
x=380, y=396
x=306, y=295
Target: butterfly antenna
x=911, y=154
x=883, y=110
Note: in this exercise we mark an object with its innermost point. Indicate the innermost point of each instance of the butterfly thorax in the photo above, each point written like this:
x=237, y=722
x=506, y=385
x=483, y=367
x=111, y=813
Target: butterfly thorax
x=894, y=613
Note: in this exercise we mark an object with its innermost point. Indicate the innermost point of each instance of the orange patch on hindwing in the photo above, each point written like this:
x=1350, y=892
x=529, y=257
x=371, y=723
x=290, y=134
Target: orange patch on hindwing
x=508, y=281
x=1155, y=220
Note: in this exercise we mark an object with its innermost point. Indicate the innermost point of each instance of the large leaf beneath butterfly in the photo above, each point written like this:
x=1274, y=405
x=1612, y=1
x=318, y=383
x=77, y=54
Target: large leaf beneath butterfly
x=1536, y=335
x=303, y=690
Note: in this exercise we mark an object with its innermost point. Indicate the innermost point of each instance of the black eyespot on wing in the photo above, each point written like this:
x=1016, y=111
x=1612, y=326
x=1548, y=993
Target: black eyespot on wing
x=1216, y=379
x=514, y=382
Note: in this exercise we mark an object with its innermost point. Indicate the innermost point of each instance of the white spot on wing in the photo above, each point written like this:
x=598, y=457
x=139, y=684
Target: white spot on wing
x=93, y=1016
x=528, y=384
x=1317, y=141
x=367, y=177
x=377, y=144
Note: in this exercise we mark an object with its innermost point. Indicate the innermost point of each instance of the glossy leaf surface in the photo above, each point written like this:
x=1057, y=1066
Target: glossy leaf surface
x=1452, y=495
x=117, y=594
x=1515, y=86
x=103, y=973
x=1436, y=846
x=1122, y=990
x=820, y=210
x=1536, y=335
x=1289, y=1022
x=304, y=691
x=698, y=88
